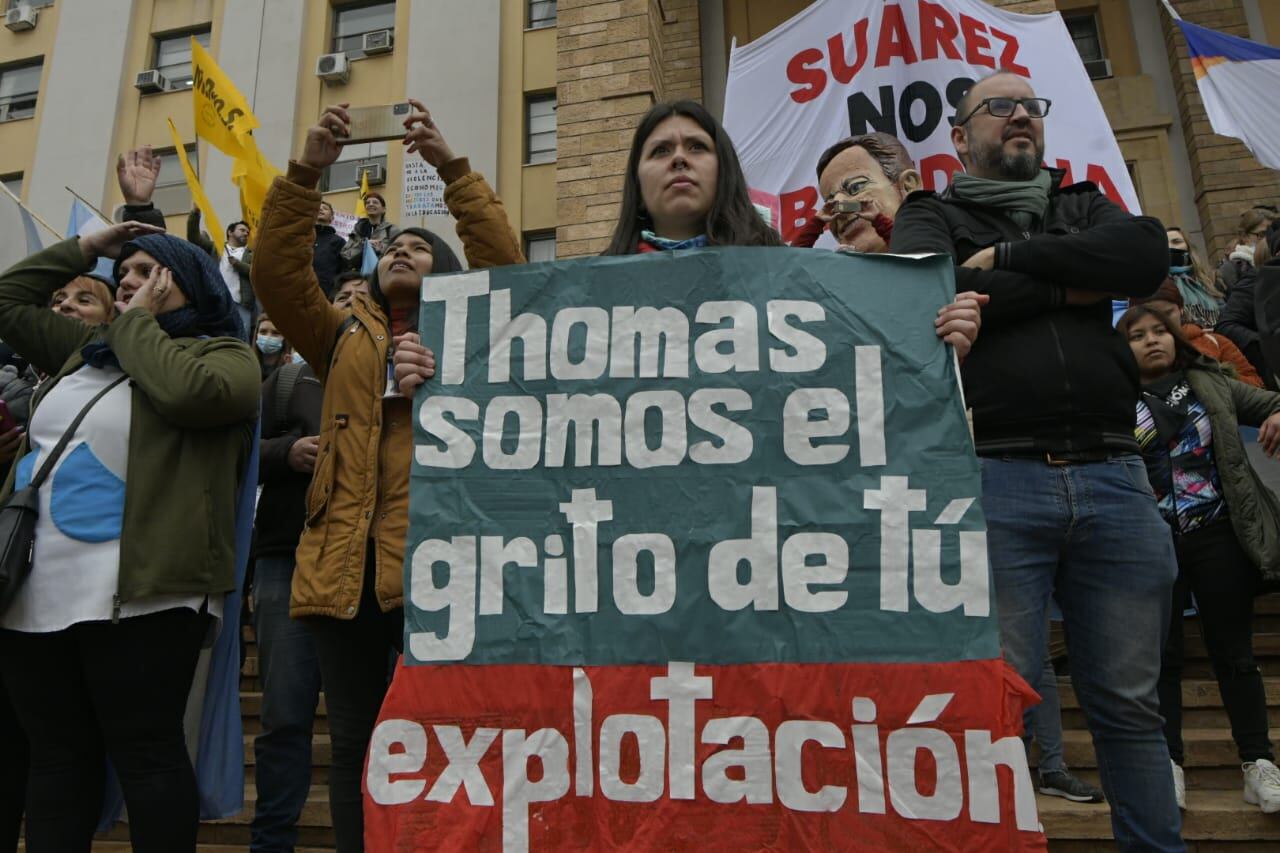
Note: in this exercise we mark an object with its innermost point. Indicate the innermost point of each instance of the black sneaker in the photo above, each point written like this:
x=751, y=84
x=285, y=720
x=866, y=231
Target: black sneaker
x=1060, y=783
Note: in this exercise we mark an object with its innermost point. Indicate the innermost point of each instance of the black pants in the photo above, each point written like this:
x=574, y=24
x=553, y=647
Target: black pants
x=1212, y=565
x=355, y=666
x=14, y=755
x=98, y=690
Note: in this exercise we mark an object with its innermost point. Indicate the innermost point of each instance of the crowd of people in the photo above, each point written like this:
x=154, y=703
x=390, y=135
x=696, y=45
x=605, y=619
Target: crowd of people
x=1117, y=489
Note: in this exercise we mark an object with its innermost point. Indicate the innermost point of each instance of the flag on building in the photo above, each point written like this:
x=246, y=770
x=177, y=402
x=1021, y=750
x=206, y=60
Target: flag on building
x=20, y=234
x=84, y=220
x=1235, y=77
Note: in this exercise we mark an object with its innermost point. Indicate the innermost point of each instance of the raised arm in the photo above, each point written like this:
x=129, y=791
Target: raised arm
x=487, y=237
x=43, y=337
x=282, y=274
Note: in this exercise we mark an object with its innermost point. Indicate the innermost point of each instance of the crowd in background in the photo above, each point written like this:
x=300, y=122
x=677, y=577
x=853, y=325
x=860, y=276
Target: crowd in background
x=278, y=353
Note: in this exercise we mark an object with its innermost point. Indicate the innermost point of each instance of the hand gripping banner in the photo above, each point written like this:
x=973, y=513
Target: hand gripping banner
x=696, y=551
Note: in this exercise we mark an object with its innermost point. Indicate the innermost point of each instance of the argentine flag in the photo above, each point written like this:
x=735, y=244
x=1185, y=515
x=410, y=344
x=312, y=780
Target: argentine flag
x=1237, y=78
x=20, y=234
x=85, y=221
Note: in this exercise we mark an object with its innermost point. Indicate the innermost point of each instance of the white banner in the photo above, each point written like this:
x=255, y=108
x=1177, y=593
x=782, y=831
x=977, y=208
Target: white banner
x=344, y=223
x=423, y=190
x=845, y=67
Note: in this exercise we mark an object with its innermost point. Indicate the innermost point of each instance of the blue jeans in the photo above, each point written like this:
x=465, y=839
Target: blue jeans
x=1044, y=722
x=290, y=676
x=1090, y=535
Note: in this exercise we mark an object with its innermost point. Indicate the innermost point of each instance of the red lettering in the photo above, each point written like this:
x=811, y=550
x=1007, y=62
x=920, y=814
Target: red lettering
x=894, y=39
x=1009, y=56
x=1098, y=175
x=937, y=30
x=795, y=208
x=840, y=67
x=936, y=170
x=800, y=71
x=975, y=42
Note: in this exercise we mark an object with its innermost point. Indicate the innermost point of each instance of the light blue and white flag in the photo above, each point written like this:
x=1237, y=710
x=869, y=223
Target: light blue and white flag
x=85, y=220
x=1236, y=78
x=368, y=259
x=20, y=234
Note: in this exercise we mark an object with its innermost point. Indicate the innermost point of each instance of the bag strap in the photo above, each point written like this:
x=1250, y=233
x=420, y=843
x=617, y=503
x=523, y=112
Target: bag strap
x=47, y=467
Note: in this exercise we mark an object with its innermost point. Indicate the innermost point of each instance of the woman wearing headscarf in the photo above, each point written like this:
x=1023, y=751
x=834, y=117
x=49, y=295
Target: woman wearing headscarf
x=134, y=544
x=348, y=584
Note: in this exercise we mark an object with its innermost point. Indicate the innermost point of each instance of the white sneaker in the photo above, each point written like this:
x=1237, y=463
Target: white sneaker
x=1180, y=786
x=1262, y=785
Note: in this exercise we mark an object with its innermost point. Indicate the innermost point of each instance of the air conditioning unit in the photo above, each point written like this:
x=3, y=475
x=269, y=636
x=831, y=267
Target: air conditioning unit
x=21, y=18
x=378, y=41
x=1098, y=69
x=376, y=172
x=151, y=81
x=333, y=68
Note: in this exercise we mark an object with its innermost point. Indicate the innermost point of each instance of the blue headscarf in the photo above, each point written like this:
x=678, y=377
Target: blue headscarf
x=210, y=310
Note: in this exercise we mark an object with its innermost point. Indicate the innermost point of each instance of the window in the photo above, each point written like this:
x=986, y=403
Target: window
x=172, y=196
x=173, y=57
x=34, y=4
x=19, y=86
x=1084, y=32
x=540, y=246
x=345, y=174
x=540, y=129
x=13, y=183
x=542, y=13
x=350, y=23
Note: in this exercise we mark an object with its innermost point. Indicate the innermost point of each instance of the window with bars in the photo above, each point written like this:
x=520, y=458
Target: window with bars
x=350, y=23
x=354, y=159
x=173, y=56
x=540, y=246
x=172, y=195
x=542, y=13
x=540, y=129
x=19, y=90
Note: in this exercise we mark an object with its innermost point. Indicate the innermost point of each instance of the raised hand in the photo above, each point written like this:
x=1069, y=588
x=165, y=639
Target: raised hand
x=137, y=171
x=324, y=138
x=108, y=242
x=423, y=137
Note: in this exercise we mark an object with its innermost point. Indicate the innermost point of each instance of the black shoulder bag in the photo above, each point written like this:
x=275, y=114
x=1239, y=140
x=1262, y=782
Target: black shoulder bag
x=19, y=514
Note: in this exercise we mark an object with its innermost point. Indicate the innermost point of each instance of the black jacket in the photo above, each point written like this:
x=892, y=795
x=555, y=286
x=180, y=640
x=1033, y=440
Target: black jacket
x=1267, y=313
x=282, y=506
x=326, y=258
x=1044, y=375
x=1240, y=321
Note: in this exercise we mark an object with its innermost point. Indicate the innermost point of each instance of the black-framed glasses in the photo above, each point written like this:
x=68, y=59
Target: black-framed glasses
x=1005, y=107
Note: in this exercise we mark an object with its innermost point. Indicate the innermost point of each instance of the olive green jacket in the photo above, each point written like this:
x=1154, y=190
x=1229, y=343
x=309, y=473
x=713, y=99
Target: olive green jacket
x=195, y=401
x=1254, y=510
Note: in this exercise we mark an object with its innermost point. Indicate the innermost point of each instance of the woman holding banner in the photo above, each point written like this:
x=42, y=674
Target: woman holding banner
x=348, y=584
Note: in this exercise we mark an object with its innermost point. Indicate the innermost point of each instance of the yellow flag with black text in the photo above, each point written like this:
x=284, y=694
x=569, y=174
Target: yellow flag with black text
x=222, y=114
x=364, y=191
x=212, y=225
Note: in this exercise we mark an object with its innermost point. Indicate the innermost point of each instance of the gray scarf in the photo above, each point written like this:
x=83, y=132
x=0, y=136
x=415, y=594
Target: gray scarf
x=1023, y=201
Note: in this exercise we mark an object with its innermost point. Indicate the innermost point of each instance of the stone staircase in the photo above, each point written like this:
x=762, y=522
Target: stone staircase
x=1217, y=817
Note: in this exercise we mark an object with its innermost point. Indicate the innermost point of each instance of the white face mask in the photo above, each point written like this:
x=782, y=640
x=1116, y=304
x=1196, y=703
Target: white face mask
x=297, y=358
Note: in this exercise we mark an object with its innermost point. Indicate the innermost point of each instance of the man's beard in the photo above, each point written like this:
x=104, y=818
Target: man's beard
x=1022, y=166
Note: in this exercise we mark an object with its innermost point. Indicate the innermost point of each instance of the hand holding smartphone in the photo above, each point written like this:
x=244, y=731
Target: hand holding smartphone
x=376, y=123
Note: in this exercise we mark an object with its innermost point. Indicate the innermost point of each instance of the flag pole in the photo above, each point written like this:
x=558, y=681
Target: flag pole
x=34, y=215
x=1173, y=13
x=87, y=204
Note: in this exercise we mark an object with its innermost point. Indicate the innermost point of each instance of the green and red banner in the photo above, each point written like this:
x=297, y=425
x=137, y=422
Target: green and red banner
x=697, y=558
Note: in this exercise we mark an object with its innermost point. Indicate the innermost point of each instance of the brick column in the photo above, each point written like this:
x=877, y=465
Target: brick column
x=614, y=59
x=1227, y=177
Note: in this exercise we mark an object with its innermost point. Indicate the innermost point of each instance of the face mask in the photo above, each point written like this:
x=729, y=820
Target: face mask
x=297, y=358
x=269, y=345
x=1179, y=258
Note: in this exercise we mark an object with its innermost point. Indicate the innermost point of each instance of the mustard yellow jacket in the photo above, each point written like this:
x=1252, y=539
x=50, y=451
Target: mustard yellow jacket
x=359, y=493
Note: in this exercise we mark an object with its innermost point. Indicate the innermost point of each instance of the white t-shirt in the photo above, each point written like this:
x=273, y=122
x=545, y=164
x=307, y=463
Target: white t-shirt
x=229, y=274
x=76, y=565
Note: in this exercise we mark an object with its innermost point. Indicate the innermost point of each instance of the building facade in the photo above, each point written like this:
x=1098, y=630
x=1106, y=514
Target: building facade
x=541, y=95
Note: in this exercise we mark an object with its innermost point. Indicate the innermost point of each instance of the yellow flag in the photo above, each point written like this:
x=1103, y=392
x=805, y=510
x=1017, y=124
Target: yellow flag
x=211, y=222
x=364, y=191
x=222, y=114
x=253, y=176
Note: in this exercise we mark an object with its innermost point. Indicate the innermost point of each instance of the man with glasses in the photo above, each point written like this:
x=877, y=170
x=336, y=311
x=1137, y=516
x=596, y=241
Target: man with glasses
x=1069, y=510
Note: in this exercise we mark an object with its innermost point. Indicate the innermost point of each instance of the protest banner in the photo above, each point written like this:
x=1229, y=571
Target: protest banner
x=344, y=223
x=423, y=189
x=848, y=67
x=695, y=549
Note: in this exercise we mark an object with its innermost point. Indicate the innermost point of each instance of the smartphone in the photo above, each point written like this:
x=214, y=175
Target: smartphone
x=7, y=420
x=375, y=124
